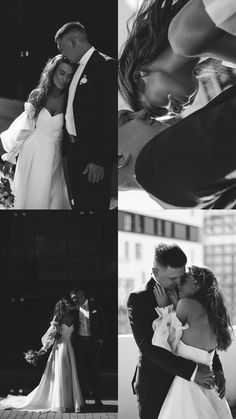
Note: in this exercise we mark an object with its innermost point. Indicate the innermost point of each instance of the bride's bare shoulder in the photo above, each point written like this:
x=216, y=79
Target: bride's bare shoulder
x=188, y=308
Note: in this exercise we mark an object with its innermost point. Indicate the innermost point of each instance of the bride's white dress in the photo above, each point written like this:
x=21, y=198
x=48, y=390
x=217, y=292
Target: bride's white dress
x=186, y=399
x=39, y=181
x=222, y=13
x=59, y=389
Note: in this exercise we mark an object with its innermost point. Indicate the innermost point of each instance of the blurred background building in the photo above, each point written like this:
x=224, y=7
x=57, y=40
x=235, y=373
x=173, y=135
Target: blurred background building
x=207, y=237
x=219, y=239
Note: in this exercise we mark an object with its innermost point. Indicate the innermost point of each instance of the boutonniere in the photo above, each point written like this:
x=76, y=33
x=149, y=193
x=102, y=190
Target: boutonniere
x=84, y=80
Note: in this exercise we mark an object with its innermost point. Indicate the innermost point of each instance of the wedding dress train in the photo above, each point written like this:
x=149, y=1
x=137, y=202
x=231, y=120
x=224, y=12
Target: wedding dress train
x=59, y=389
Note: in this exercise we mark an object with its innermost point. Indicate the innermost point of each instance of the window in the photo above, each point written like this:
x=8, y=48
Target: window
x=180, y=231
x=168, y=229
x=139, y=224
x=128, y=222
x=194, y=234
x=138, y=251
x=228, y=269
x=126, y=250
x=160, y=228
x=227, y=259
x=149, y=225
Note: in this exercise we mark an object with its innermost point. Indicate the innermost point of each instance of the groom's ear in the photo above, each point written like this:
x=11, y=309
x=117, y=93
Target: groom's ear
x=73, y=42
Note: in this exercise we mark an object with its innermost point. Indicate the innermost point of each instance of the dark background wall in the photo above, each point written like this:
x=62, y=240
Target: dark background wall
x=58, y=245
x=27, y=29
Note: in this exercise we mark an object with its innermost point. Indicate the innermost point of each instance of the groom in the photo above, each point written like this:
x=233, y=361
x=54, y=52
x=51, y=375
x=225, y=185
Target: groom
x=91, y=118
x=191, y=163
x=157, y=367
x=89, y=336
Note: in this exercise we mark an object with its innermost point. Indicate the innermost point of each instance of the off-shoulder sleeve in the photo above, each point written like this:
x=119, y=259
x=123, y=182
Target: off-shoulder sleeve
x=222, y=13
x=167, y=329
x=49, y=337
x=14, y=137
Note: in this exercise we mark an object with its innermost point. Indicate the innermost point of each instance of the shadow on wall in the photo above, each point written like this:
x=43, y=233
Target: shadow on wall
x=127, y=358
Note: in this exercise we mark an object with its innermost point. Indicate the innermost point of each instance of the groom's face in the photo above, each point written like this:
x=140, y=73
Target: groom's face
x=67, y=48
x=168, y=277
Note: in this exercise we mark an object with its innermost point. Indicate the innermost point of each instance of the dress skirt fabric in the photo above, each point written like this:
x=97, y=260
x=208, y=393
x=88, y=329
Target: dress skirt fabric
x=59, y=389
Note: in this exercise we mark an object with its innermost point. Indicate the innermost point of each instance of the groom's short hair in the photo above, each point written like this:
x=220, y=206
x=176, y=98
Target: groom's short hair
x=170, y=255
x=71, y=27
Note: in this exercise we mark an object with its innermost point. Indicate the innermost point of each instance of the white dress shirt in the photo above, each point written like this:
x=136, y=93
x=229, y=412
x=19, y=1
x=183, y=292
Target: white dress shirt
x=84, y=320
x=69, y=116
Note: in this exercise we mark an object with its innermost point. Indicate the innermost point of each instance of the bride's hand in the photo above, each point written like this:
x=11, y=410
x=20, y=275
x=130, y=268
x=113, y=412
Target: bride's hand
x=160, y=295
x=41, y=352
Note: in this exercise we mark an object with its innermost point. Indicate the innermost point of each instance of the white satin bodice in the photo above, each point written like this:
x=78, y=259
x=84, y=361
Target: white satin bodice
x=66, y=331
x=200, y=356
x=49, y=127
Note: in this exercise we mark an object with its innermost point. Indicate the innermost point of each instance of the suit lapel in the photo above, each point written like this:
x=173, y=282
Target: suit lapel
x=151, y=301
x=89, y=65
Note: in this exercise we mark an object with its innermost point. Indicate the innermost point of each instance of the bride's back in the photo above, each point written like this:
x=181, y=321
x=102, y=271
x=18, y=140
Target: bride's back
x=200, y=333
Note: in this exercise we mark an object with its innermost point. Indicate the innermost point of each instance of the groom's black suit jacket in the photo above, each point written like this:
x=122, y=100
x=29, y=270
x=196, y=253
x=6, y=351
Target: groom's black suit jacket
x=193, y=162
x=95, y=110
x=97, y=320
x=95, y=115
x=156, y=367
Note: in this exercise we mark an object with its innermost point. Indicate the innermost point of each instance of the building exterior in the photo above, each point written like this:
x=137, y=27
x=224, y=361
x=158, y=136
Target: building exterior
x=220, y=252
x=139, y=233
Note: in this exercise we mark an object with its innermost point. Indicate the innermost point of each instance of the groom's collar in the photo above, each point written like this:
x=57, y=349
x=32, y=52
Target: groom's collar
x=83, y=61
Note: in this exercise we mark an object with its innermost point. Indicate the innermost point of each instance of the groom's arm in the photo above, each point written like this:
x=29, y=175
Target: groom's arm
x=219, y=375
x=142, y=331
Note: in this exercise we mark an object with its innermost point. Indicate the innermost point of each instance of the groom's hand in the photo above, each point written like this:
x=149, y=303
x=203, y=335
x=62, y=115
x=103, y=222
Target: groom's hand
x=204, y=376
x=94, y=171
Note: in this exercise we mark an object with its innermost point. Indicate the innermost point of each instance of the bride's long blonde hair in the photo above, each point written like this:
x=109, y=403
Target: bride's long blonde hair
x=38, y=96
x=60, y=310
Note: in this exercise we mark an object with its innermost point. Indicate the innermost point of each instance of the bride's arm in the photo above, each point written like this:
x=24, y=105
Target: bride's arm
x=192, y=33
x=13, y=138
x=49, y=337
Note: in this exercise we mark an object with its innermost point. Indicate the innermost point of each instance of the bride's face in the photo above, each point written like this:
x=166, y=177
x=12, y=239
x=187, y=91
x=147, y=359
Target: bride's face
x=162, y=90
x=188, y=286
x=62, y=76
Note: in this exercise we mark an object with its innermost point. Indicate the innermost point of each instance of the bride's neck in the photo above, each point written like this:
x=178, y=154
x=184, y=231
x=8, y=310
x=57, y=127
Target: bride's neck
x=55, y=92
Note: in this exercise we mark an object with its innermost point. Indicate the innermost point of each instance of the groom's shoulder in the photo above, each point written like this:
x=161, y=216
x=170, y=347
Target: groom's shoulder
x=103, y=59
x=142, y=289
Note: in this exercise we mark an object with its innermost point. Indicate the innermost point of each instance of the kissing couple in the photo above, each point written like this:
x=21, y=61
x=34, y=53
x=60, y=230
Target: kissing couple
x=179, y=321
x=62, y=385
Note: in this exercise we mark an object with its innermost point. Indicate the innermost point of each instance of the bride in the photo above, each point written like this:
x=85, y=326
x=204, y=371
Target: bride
x=195, y=331
x=59, y=389
x=36, y=138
